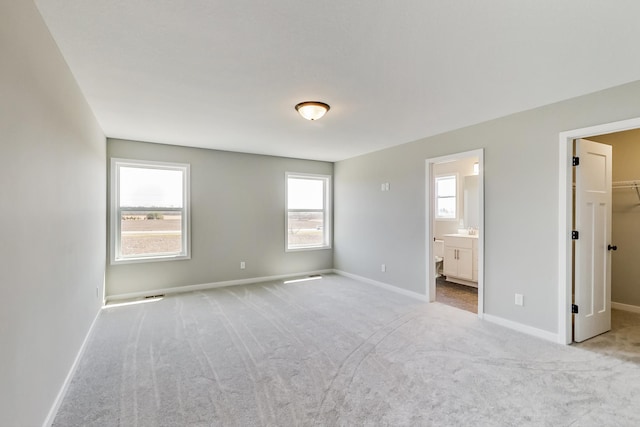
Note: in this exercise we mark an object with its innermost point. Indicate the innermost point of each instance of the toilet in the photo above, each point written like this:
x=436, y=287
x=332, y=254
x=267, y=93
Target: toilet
x=438, y=251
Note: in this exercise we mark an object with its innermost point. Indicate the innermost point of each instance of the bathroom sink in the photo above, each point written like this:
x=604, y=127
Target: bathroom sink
x=473, y=236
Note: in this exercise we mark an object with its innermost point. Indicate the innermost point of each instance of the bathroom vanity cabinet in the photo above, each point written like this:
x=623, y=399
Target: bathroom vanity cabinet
x=461, y=259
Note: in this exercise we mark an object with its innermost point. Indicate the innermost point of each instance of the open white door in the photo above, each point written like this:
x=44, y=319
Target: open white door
x=593, y=246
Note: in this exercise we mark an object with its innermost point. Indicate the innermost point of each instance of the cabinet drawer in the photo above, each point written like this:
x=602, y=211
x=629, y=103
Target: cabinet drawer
x=458, y=242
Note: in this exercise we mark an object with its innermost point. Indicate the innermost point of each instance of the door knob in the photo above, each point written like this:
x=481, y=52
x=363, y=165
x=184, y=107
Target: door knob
x=612, y=248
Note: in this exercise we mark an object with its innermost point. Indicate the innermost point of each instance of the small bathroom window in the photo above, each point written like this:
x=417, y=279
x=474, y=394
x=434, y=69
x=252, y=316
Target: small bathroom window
x=446, y=197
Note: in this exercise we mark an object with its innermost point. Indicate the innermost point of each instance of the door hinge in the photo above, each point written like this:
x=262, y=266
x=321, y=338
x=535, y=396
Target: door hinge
x=574, y=309
x=575, y=235
x=575, y=161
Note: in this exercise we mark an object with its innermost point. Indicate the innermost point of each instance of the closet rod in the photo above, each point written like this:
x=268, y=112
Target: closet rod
x=627, y=184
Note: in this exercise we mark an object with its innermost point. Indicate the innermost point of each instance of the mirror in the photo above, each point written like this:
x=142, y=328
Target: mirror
x=471, y=201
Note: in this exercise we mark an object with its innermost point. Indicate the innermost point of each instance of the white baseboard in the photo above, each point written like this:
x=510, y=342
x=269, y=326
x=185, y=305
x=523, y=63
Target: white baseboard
x=204, y=286
x=386, y=286
x=65, y=385
x=625, y=307
x=529, y=330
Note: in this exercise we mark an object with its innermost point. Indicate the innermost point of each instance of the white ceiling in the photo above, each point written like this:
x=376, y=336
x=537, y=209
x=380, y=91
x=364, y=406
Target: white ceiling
x=226, y=74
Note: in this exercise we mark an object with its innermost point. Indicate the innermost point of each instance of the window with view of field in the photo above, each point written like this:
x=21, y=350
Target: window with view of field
x=308, y=211
x=446, y=197
x=149, y=212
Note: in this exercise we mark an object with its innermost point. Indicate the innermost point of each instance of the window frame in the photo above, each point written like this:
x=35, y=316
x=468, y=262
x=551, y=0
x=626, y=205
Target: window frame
x=326, y=211
x=116, y=211
x=437, y=197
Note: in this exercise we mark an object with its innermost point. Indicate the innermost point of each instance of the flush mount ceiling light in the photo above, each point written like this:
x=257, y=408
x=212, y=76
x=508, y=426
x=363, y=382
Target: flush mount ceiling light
x=312, y=110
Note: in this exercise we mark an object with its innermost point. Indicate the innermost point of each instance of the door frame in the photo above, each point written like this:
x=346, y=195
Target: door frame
x=565, y=211
x=430, y=290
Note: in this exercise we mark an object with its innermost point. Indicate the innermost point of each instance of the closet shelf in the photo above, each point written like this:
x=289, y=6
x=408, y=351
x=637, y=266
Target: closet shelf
x=627, y=184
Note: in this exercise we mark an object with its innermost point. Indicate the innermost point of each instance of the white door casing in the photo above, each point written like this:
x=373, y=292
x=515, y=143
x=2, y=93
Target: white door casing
x=429, y=235
x=565, y=217
x=593, y=223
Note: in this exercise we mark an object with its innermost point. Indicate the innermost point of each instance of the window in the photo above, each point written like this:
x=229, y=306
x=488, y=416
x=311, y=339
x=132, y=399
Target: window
x=308, y=211
x=446, y=200
x=149, y=211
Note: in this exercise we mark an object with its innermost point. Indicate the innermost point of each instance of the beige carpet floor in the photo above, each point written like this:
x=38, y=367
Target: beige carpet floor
x=622, y=342
x=334, y=352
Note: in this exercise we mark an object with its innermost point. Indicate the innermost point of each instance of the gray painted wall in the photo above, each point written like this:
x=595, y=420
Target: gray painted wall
x=625, y=233
x=237, y=214
x=52, y=195
x=521, y=204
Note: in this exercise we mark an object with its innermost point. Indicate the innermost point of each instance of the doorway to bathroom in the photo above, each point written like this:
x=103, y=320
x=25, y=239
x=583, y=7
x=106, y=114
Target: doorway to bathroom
x=454, y=224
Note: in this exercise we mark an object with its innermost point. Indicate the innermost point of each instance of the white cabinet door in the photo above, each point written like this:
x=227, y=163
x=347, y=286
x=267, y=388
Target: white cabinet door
x=459, y=262
x=475, y=260
x=450, y=267
x=465, y=264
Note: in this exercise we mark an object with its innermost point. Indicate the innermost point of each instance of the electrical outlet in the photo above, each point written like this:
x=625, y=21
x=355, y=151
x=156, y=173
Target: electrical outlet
x=383, y=268
x=242, y=265
x=519, y=300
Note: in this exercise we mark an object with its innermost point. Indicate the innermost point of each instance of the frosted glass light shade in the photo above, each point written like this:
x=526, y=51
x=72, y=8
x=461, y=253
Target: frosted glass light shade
x=312, y=110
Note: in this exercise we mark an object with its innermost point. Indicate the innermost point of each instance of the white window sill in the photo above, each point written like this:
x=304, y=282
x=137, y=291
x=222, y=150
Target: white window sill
x=308, y=248
x=150, y=259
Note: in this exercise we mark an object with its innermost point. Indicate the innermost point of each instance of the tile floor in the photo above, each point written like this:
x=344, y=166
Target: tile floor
x=455, y=295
